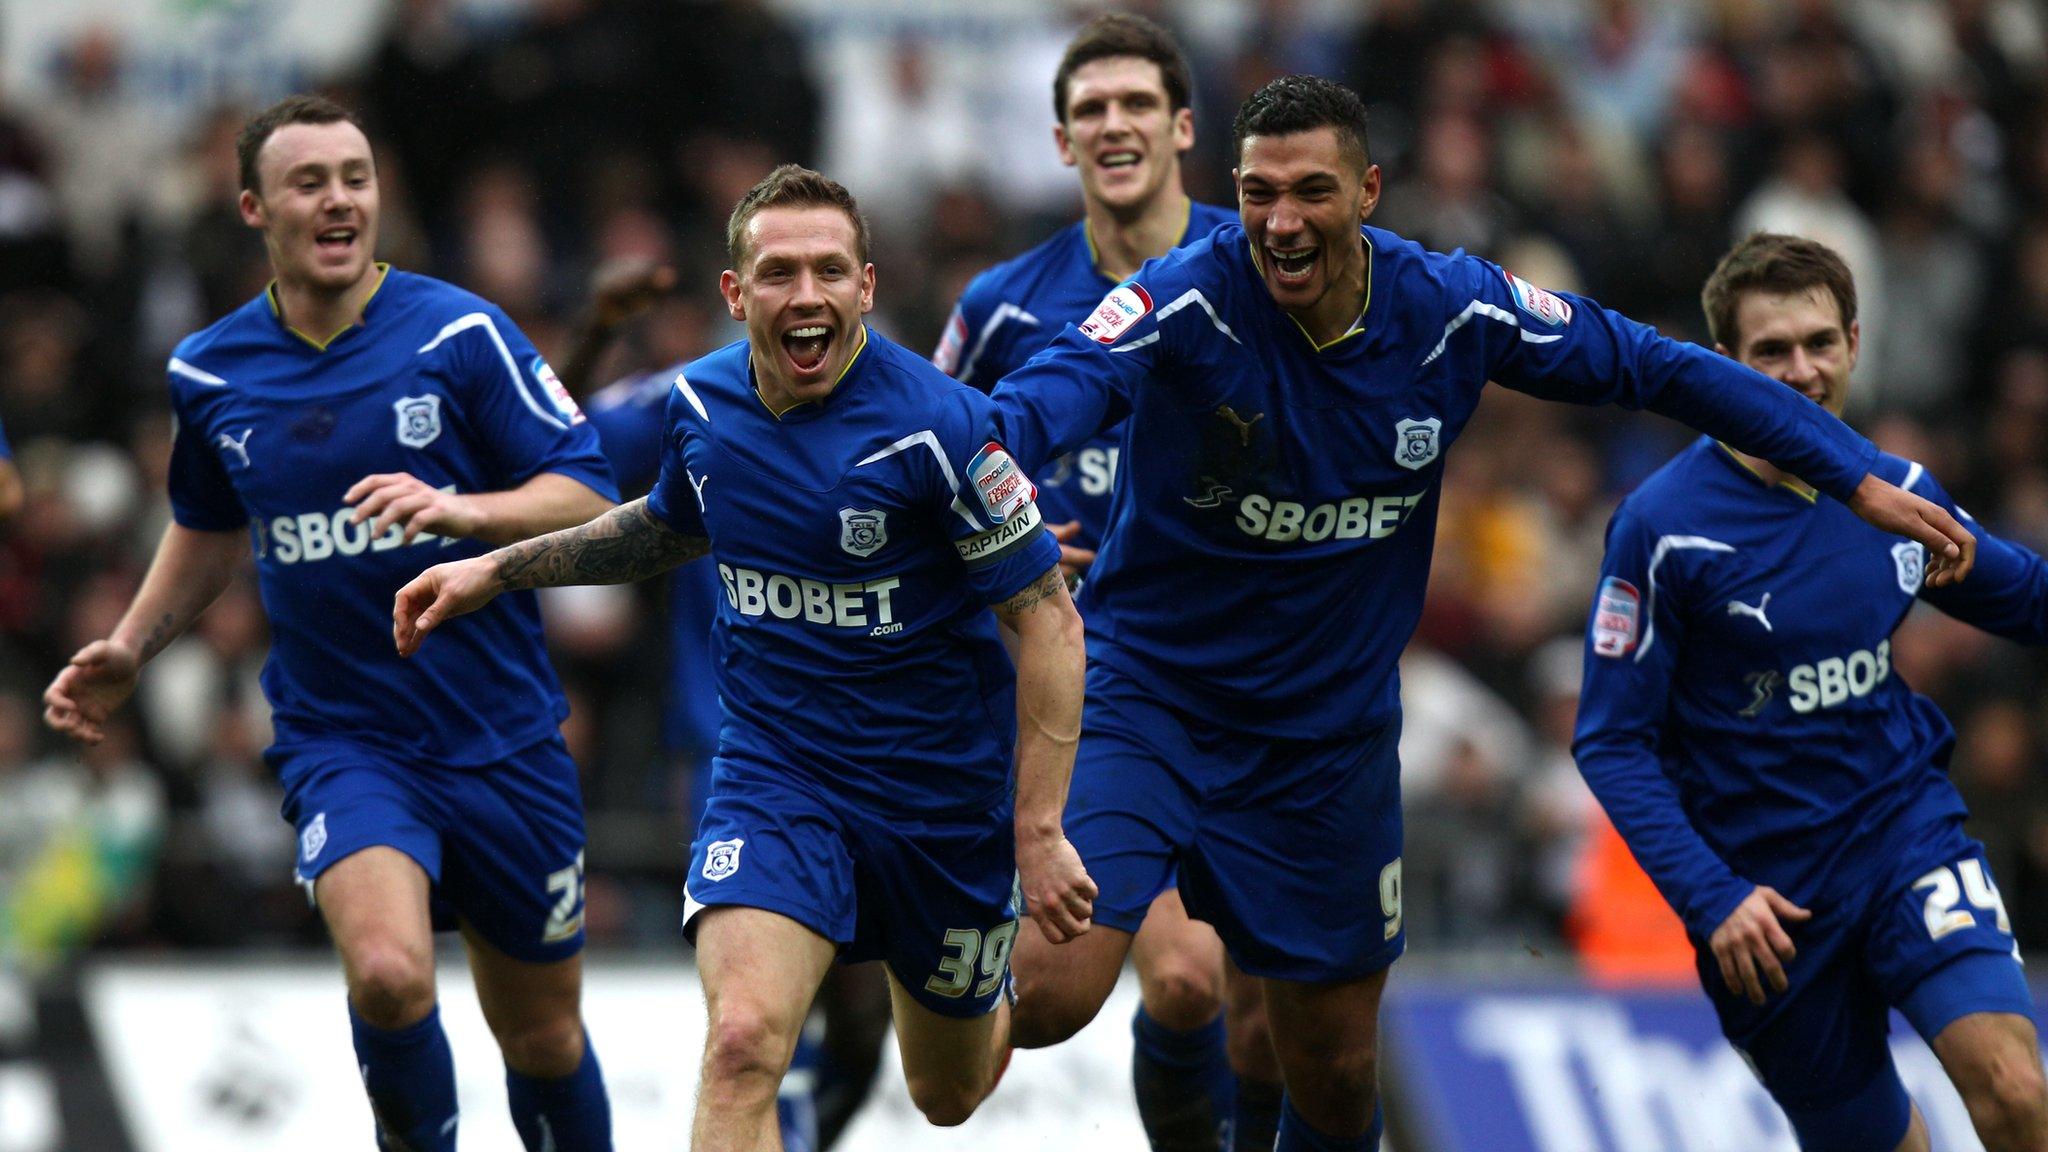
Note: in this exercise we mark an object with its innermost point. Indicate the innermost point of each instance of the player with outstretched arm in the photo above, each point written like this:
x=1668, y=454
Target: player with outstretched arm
x=355, y=421
x=1288, y=388
x=863, y=516
x=1743, y=726
x=1121, y=95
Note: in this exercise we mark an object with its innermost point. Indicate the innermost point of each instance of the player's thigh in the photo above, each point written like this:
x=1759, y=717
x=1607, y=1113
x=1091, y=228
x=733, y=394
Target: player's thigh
x=942, y=1053
x=513, y=861
x=375, y=902
x=760, y=971
x=1247, y=1029
x=1994, y=1058
x=534, y=1010
x=1132, y=805
x=937, y=902
x=1061, y=987
x=1180, y=965
x=369, y=848
x=1330, y=1026
x=1299, y=866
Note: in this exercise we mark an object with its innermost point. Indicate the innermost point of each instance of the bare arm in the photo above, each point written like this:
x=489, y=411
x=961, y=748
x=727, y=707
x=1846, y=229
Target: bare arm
x=190, y=571
x=10, y=491
x=625, y=544
x=1050, y=660
x=543, y=504
x=619, y=291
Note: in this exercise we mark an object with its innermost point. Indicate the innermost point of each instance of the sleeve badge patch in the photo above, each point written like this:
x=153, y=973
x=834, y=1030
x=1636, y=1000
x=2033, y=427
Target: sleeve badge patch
x=1117, y=313
x=952, y=343
x=1617, y=618
x=1002, y=487
x=557, y=392
x=1548, y=307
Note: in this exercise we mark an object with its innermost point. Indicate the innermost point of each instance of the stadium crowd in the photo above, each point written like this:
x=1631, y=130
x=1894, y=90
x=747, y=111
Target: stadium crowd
x=1611, y=147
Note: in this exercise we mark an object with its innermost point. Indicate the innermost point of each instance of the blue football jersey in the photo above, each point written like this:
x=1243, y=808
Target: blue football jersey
x=1010, y=312
x=1741, y=720
x=273, y=429
x=630, y=416
x=1269, y=543
x=859, y=543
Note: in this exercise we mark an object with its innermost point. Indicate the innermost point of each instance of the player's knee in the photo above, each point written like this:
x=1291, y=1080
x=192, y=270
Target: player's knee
x=2008, y=1102
x=391, y=986
x=745, y=1047
x=1181, y=993
x=946, y=1101
x=550, y=1047
x=1331, y=1074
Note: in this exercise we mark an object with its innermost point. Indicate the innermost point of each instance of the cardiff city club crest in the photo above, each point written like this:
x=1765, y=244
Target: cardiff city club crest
x=1416, y=442
x=419, y=419
x=862, y=531
x=1911, y=561
x=722, y=859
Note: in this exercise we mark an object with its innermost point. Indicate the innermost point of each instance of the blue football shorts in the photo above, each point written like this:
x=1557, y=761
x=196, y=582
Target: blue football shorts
x=933, y=897
x=1290, y=848
x=1937, y=949
x=502, y=843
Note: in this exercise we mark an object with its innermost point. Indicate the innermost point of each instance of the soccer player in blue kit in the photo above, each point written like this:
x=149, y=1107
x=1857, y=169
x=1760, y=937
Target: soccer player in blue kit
x=1789, y=794
x=1121, y=97
x=1288, y=388
x=356, y=421
x=863, y=517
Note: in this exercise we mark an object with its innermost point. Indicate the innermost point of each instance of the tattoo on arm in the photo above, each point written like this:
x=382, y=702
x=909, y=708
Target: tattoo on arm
x=1044, y=588
x=159, y=636
x=623, y=545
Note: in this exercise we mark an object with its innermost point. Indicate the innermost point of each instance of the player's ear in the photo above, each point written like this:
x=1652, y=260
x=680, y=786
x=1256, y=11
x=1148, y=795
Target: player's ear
x=867, y=289
x=1370, y=189
x=1855, y=341
x=1722, y=349
x=1183, y=129
x=1066, y=146
x=729, y=284
x=251, y=208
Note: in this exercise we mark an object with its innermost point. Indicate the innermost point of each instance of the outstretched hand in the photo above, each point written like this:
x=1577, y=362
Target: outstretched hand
x=1752, y=945
x=78, y=702
x=441, y=592
x=1057, y=891
x=1951, y=549
x=624, y=288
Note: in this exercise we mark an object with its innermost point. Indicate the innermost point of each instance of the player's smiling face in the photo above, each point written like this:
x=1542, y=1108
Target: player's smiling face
x=1121, y=131
x=1799, y=340
x=801, y=295
x=1301, y=197
x=316, y=203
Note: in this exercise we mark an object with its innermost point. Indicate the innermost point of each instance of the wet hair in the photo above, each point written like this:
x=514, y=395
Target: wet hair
x=1122, y=34
x=793, y=186
x=1777, y=265
x=1294, y=104
x=299, y=109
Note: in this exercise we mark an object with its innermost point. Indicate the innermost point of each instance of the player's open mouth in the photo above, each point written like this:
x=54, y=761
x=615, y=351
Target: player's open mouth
x=807, y=346
x=335, y=240
x=1292, y=266
x=1123, y=158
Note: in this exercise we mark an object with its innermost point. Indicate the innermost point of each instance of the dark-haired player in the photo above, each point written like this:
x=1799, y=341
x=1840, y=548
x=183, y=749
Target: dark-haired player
x=1121, y=98
x=357, y=422
x=1789, y=794
x=863, y=517
x=1288, y=389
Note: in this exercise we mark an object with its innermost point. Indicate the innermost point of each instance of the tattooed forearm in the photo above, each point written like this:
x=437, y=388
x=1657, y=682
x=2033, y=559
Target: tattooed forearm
x=159, y=636
x=1044, y=588
x=625, y=544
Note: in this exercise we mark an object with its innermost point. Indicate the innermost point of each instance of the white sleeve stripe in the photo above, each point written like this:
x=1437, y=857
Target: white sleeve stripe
x=1003, y=312
x=181, y=368
x=480, y=320
x=1913, y=475
x=690, y=394
x=1139, y=343
x=1194, y=296
x=1665, y=545
x=1482, y=308
x=930, y=440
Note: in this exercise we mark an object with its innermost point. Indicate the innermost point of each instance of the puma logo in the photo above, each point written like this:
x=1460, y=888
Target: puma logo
x=1738, y=608
x=227, y=443
x=1243, y=426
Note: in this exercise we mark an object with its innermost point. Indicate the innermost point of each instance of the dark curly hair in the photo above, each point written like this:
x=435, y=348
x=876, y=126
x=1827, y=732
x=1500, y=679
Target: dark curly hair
x=1294, y=104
